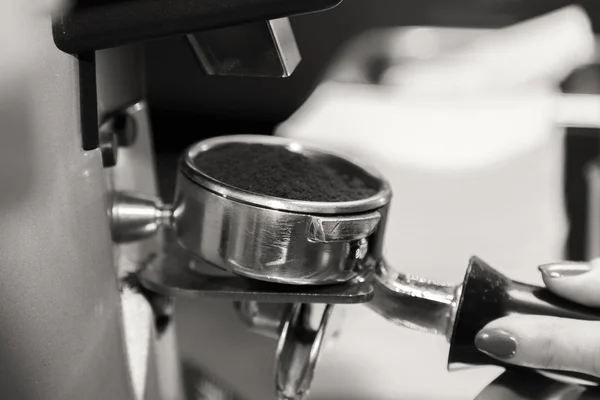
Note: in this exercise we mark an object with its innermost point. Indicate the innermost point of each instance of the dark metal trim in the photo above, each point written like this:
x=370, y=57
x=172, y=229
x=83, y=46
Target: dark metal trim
x=109, y=24
x=88, y=100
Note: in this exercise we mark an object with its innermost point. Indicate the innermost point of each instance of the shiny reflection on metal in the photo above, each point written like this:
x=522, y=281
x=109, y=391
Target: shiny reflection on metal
x=339, y=161
x=522, y=384
x=413, y=302
x=298, y=351
x=117, y=130
x=169, y=273
x=342, y=228
x=122, y=125
x=258, y=243
x=109, y=146
x=273, y=239
x=256, y=49
x=264, y=319
x=135, y=216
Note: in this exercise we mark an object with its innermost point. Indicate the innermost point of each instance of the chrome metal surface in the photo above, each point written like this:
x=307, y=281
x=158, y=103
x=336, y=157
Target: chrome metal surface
x=264, y=319
x=258, y=49
x=170, y=273
x=123, y=126
x=413, y=302
x=342, y=228
x=274, y=239
x=109, y=146
x=61, y=335
x=337, y=160
x=255, y=242
x=134, y=216
x=298, y=351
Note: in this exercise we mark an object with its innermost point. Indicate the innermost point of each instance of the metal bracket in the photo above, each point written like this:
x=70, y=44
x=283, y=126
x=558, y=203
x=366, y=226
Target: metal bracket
x=174, y=272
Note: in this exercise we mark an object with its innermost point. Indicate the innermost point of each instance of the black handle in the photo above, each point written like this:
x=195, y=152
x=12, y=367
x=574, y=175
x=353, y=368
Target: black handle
x=97, y=24
x=488, y=295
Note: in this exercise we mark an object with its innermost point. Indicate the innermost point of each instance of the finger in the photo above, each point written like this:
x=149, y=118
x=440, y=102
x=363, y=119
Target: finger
x=575, y=281
x=543, y=343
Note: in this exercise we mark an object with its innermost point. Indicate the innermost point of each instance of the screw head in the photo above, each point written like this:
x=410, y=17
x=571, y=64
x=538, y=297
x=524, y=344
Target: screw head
x=109, y=147
x=360, y=249
x=124, y=127
x=117, y=130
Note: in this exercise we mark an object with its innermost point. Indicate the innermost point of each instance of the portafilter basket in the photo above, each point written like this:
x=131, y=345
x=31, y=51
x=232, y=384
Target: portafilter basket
x=276, y=239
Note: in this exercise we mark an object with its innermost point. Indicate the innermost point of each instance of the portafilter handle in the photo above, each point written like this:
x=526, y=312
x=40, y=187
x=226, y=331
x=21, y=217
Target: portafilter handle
x=460, y=312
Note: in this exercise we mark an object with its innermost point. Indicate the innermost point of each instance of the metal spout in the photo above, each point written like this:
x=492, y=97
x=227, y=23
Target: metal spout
x=136, y=217
x=257, y=49
x=414, y=302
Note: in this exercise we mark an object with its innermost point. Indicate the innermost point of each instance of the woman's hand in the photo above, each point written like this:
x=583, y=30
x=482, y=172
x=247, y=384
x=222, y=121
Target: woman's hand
x=548, y=342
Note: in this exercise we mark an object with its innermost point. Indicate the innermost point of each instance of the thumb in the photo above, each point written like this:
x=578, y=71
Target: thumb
x=543, y=343
x=575, y=281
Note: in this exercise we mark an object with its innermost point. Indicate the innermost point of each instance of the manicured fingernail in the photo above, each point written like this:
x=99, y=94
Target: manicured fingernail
x=564, y=269
x=497, y=343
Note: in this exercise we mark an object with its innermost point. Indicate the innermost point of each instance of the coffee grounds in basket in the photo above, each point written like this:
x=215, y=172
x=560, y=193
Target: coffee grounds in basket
x=277, y=172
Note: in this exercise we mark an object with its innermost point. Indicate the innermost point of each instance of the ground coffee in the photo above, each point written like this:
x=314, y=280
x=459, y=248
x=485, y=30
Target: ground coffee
x=278, y=172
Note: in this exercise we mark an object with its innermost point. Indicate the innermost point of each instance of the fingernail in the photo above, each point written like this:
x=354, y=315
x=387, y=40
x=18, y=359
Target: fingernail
x=497, y=343
x=564, y=269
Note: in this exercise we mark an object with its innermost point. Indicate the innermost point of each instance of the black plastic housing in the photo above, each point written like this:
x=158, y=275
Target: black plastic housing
x=99, y=24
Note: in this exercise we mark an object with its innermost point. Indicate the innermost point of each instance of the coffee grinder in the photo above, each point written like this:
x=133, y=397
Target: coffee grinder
x=98, y=325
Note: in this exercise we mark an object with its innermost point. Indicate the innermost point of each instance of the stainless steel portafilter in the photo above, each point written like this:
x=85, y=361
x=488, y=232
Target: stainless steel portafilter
x=275, y=239
x=254, y=248
x=272, y=239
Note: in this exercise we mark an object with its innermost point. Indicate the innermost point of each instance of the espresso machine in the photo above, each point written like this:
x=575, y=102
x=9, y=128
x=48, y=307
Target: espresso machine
x=93, y=259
